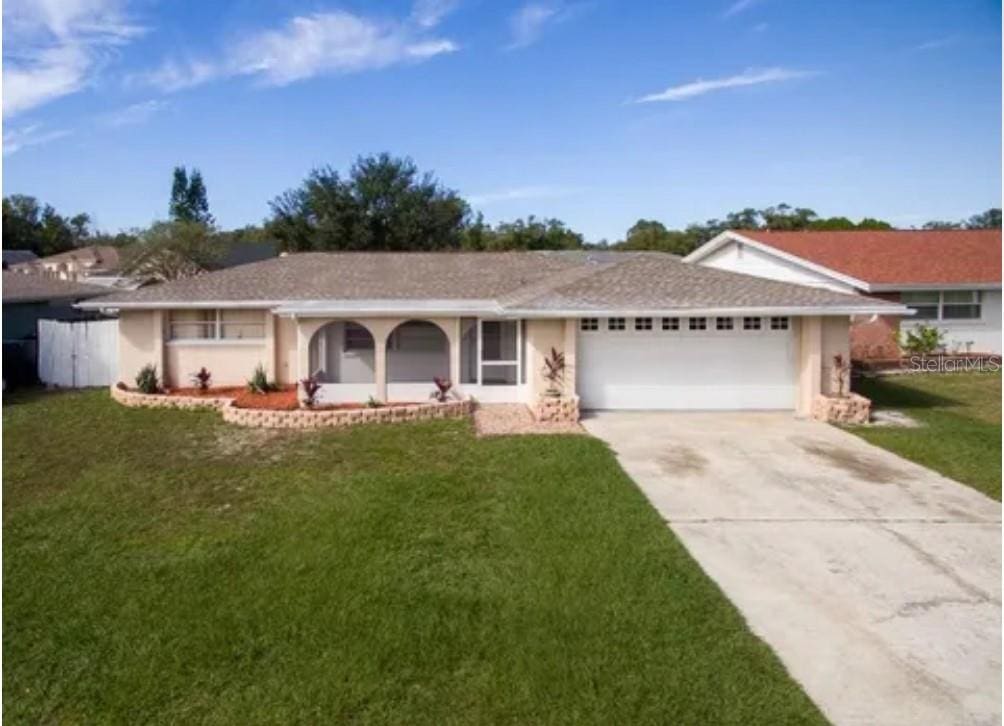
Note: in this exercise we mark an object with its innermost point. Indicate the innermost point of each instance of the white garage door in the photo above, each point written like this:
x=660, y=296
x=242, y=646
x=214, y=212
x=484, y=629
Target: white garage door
x=675, y=363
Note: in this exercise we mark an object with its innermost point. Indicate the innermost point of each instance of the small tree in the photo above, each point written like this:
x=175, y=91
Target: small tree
x=554, y=372
x=923, y=340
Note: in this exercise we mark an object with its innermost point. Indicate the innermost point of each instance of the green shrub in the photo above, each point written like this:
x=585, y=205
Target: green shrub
x=146, y=379
x=258, y=383
x=922, y=340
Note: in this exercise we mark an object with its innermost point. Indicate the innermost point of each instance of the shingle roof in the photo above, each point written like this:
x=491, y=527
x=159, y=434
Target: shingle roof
x=21, y=287
x=511, y=281
x=14, y=257
x=103, y=257
x=905, y=257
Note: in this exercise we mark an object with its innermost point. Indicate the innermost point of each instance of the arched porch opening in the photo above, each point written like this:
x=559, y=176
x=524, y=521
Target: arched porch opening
x=417, y=352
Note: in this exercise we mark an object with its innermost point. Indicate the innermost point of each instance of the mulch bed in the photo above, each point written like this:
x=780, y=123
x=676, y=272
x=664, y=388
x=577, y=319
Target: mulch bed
x=284, y=399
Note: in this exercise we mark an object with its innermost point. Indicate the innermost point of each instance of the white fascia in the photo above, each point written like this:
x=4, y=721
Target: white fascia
x=177, y=305
x=786, y=310
x=729, y=236
x=386, y=308
x=927, y=286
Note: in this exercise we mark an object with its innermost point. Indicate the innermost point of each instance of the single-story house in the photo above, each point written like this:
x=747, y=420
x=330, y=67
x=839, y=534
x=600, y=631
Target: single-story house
x=28, y=299
x=17, y=257
x=951, y=279
x=76, y=264
x=639, y=330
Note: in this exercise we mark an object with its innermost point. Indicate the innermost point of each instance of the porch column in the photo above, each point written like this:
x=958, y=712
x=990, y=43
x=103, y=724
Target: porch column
x=455, y=331
x=302, y=351
x=380, y=365
x=159, y=334
x=810, y=356
x=271, y=368
x=570, y=341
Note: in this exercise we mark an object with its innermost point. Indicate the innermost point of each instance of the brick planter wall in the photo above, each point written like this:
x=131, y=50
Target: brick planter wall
x=135, y=399
x=554, y=409
x=302, y=418
x=851, y=409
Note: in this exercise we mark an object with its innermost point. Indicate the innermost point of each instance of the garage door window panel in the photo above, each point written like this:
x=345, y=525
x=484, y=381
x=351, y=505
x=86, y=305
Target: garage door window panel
x=697, y=324
x=616, y=324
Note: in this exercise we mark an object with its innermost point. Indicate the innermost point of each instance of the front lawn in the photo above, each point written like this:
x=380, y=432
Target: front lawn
x=960, y=423
x=162, y=566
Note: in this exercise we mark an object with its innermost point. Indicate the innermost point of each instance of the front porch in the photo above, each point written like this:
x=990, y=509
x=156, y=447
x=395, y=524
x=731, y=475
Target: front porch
x=395, y=360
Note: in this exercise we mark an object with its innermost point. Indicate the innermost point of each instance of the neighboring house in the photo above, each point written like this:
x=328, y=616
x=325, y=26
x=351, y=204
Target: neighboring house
x=638, y=330
x=77, y=264
x=28, y=299
x=16, y=257
x=950, y=278
x=244, y=253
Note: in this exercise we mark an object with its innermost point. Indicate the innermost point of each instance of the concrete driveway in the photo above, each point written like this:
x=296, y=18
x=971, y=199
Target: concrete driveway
x=876, y=581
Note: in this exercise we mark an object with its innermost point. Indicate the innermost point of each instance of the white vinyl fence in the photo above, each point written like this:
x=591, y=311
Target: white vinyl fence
x=77, y=354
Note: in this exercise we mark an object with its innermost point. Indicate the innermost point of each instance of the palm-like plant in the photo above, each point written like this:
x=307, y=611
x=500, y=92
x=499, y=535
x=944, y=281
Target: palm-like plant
x=554, y=372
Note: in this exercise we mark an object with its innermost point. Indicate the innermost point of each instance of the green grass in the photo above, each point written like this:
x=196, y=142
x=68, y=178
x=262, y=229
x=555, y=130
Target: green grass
x=960, y=417
x=161, y=566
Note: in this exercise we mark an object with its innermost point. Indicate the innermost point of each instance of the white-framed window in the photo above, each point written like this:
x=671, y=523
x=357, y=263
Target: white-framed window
x=779, y=323
x=643, y=323
x=589, y=324
x=501, y=354
x=723, y=323
x=750, y=323
x=227, y=324
x=670, y=323
x=697, y=323
x=944, y=304
x=616, y=323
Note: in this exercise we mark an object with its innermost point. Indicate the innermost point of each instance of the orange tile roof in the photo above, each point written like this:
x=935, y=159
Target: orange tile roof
x=893, y=257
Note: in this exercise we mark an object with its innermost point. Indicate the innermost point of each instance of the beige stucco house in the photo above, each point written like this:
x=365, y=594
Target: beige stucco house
x=638, y=330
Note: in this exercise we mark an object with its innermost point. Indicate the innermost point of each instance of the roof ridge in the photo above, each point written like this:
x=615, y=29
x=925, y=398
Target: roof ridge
x=526, y=293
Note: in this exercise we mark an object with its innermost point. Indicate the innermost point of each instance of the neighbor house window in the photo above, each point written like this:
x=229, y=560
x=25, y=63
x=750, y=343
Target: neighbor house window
x=616, y=324
x=751, y=323
x=670, y=323
x=926, y=303
x=698, y=324
x=779, y=323
x=723, y=323
x=589, y=324
x=643, y=323
x=944, y=305
x=228, y=324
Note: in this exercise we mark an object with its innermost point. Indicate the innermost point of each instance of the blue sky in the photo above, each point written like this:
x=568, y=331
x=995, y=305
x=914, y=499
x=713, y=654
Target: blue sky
x=597, y=112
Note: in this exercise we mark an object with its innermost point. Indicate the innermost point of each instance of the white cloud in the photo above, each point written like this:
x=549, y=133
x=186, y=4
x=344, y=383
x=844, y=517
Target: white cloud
x=304, y=47
x=738, y=7
x=519, y=193
x=429, y=13
x=937, y=43
x=528, y=23
x=133, y=114
x=33, y=135
x=749, y=77
x=53, y=48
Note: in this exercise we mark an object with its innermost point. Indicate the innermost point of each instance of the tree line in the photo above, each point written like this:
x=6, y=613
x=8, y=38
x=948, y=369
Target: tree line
x=381, y=203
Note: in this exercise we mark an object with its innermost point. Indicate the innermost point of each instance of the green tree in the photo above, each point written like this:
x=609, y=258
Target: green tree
x=528, y=234
x=173, y=250
x=189, y=202
x=41, y=229
x=384, y=204
x=990, y=219
x=648, y=234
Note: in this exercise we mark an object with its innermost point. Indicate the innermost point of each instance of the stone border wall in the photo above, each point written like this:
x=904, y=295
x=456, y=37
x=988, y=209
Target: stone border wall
x=850, y=409
x=301, y=418
x=135, y=399
x=555, y=409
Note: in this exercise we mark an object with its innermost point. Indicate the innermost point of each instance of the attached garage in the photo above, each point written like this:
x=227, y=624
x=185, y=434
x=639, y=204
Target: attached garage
x=695, y=363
